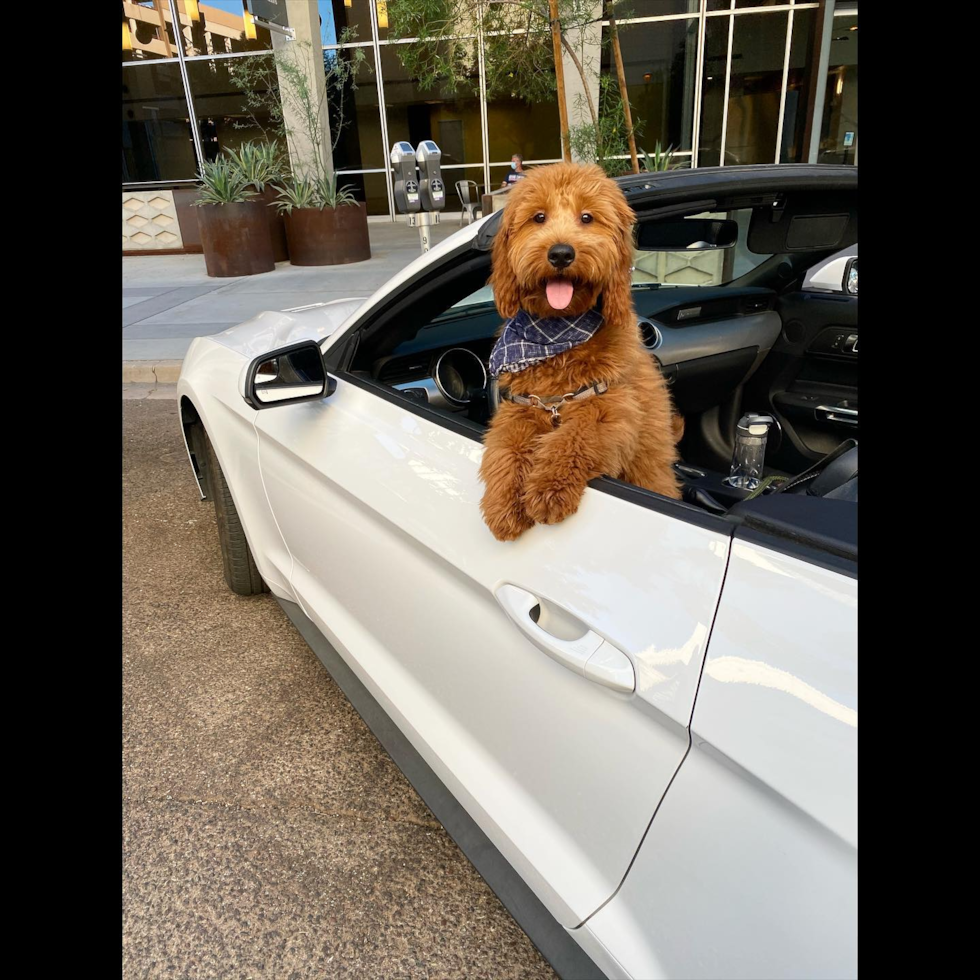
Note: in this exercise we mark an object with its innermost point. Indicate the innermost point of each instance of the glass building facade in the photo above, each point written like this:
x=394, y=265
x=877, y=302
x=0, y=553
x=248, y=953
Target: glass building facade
x=722, y=81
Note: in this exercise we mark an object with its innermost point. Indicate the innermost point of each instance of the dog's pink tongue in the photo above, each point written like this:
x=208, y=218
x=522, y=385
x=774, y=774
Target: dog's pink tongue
x=559, y=293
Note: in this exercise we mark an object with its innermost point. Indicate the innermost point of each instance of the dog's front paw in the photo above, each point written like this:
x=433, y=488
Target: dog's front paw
x=551, y=503
x=508, y=522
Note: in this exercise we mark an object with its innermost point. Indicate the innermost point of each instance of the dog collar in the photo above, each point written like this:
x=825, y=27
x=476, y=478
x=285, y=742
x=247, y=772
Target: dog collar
x=526, y=340
x=554, y=402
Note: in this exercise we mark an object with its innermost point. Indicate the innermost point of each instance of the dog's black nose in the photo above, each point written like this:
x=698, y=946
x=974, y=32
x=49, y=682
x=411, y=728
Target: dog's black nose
x=561, y=255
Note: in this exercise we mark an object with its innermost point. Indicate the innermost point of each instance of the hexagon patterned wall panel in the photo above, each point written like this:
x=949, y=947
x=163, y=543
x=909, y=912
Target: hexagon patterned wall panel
x=149, y=220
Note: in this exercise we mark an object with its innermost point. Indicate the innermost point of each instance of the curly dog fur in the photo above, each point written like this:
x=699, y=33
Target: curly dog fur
x=533, y=472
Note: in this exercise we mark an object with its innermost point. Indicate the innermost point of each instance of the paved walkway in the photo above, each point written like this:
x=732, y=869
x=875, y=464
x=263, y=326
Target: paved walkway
x=169, y=299
x=266, y=833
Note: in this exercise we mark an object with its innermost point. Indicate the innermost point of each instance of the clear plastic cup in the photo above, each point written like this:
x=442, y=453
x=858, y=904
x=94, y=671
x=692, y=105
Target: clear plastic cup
x=751, y=434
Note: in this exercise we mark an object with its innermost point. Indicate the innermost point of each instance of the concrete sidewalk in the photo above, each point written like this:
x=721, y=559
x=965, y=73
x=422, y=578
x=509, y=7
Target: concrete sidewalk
x=169, y=299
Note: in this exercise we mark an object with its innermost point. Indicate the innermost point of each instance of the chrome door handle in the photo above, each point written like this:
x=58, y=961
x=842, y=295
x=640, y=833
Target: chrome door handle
x=837, y=413
x=590, y=655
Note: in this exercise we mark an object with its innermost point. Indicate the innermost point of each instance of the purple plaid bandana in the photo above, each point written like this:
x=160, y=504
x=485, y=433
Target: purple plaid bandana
x=526, y=340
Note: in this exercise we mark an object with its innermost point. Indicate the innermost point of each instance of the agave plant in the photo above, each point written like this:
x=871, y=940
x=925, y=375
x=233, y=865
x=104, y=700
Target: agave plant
x=304, y=192
x=260, y=162
x=296, y=193
x=660, y=160
x=333, y=196
x=222, y=183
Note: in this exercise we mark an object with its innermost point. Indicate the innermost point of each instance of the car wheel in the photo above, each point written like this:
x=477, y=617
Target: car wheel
x=241, y=574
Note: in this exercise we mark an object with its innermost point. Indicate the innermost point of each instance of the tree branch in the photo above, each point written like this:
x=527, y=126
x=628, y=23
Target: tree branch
x=585, y=82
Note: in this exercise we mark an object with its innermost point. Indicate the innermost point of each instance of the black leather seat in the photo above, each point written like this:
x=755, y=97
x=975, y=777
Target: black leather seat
x=837, y=480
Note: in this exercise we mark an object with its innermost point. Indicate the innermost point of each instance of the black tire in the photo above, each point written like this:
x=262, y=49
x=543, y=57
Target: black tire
x=197, y=438
x=240, y=572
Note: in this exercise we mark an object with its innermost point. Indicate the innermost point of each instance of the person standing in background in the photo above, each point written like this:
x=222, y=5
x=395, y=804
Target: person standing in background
x=517, y=170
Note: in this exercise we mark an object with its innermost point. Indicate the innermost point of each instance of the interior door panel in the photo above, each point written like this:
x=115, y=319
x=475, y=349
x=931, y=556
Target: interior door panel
x=810, y=378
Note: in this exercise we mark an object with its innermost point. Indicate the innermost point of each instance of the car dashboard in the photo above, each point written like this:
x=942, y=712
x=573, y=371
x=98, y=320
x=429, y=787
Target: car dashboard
x=706, y=340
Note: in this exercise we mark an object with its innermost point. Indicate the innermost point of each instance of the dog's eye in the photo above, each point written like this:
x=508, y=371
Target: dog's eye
x=539, y=217
x=586, y=218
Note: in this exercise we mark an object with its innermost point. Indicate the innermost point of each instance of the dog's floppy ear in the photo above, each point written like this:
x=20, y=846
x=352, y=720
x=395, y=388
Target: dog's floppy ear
x=617, y=296
x=506, y=295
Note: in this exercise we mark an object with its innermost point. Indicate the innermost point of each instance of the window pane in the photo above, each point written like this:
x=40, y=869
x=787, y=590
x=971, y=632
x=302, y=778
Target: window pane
x=519, y=119
x=659, y=61
x=218, y=27
x=838, y=134
x=798, y=84
x=156, y=131
x=758, y=50
x=335, y=15
x=225, y=120
x=367, y=187
x=147, y=31
x=533, y=131
x=452, y=120
x=355, y=110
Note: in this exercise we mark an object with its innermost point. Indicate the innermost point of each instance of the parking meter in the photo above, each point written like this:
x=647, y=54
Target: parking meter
x=406, y=182
x=431, y=187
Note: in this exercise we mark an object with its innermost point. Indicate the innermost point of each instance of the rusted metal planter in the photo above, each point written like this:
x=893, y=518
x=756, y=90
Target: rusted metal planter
x=277, y=226
x=236, y=239
x=333, y=236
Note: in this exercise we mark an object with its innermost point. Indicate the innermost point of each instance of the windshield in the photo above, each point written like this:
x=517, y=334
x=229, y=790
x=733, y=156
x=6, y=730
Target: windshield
x=653, y=270
x=712, y=267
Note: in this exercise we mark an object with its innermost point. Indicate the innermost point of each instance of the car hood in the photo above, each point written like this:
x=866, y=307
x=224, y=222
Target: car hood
x=272, y=330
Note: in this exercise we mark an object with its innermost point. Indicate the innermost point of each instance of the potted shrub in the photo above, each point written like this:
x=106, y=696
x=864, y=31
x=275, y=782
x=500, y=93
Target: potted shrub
x=234, y=228
x=261, y=165
x=324, y=225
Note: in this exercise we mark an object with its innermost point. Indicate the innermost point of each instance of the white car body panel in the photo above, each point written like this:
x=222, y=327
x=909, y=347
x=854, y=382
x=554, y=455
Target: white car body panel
x=828, y=276
x=750, y=867
x=210, y=379
x=230, y=423
x=704, y=826
x=392, y=561
x=271, y=330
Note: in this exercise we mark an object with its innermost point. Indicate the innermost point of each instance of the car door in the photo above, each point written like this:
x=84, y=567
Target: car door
x=810, y=379
x=475, y=647
x=500, y=661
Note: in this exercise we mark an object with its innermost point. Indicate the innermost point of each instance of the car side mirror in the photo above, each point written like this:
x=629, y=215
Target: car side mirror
x=287, y=376
x=850, y=283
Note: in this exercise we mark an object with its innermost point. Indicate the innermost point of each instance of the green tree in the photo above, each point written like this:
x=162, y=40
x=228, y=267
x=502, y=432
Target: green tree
x=519, y=56
x=277, y=85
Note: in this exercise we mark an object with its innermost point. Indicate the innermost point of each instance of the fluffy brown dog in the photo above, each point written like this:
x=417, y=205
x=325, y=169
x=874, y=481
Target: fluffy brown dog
x=535, y=471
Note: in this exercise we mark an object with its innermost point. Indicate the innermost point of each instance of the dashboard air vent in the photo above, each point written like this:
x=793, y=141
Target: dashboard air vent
x=398, y=370
x=650, y=334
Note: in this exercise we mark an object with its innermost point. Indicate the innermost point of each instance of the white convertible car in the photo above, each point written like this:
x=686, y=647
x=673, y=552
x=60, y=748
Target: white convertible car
x=640, y=724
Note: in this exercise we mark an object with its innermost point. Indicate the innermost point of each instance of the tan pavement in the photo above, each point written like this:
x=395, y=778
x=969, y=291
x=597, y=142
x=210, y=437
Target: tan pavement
x=266, y=832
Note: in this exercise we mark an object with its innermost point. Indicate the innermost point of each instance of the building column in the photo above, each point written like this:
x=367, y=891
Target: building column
x=587, y=46
x=306, y=51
